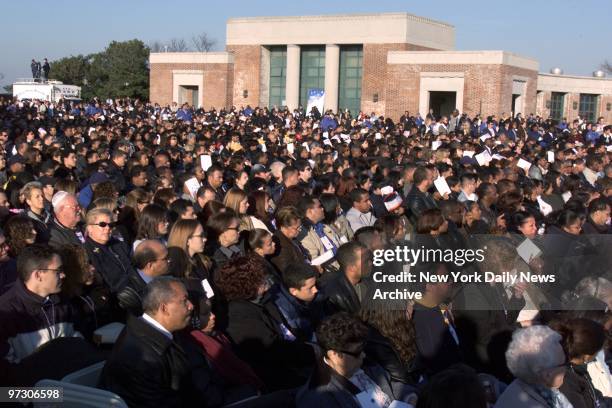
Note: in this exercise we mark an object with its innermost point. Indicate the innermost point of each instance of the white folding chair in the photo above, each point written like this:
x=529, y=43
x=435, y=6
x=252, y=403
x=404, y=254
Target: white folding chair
x=79, y=396
x=108, y=334
x=88, y=376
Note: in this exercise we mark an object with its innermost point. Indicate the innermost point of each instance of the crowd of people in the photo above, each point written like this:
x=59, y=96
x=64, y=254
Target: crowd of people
x=236, y=246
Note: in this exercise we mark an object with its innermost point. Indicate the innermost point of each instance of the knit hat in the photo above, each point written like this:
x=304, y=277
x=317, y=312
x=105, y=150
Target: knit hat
x=393, y=201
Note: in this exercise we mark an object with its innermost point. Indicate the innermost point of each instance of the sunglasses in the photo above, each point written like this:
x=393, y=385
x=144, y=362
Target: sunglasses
x=104, y=224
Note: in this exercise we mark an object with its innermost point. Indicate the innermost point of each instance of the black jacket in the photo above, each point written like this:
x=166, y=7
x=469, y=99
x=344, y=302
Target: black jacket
x=485, y=319
x=339, y=293
x=112, y=262
x=148, y=369
x=570, y=258
x=380, y=350
x=437, y=349
x=130, y=297
x=219, y=193
x=417, y=202
x=29, y=321
x=578, y=388
x=116, y=176
x=41, y=226
x=287, y=252
x=339, y=392
x=259, y=341
x=60, y=236
x=222, y=255
x=8, y=275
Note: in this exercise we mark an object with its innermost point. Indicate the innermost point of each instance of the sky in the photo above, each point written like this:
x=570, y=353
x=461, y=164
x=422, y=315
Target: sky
x=573, y=35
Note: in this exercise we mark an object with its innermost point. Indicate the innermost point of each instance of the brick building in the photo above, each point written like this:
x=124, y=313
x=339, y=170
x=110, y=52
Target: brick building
x=385, y=63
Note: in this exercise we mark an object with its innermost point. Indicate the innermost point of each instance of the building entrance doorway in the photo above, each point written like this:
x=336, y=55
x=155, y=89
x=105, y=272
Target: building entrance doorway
x=189, y=94
x=442, y=103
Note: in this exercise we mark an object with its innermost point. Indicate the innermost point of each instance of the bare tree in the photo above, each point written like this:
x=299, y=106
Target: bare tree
x=607, y=67
x=177, y=45
x=202, y=42
x=156, y=46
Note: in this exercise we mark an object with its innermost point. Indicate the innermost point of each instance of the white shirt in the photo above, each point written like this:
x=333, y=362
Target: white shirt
x=357, y=219
x=156, y=325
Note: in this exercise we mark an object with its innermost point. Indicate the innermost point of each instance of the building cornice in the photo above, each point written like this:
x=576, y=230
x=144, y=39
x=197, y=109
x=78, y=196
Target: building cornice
x=462, y=58
x=191, y=58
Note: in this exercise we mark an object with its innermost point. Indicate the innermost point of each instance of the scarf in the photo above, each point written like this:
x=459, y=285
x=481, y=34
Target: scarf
x=218, y=352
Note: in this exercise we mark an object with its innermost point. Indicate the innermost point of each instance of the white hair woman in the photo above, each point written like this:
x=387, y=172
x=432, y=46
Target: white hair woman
x=537, y=360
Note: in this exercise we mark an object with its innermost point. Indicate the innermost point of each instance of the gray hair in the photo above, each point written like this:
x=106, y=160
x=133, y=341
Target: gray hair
x=58, y=199
x=276, y=168
x=160, y=290
x=597, y=287
x=531, y=350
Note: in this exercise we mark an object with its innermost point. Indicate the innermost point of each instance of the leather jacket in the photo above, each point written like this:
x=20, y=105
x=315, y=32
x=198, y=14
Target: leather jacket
x=417, y=202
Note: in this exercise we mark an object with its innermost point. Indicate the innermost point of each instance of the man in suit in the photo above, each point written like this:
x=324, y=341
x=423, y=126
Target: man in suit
x=151, y=261
x=147, y=367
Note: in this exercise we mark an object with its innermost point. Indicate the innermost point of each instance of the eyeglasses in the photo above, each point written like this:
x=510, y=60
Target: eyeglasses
x=57, y=271
x=165, y=259
x=104, y=224
x=233, y=228
x=355, y=354
x=197, y=236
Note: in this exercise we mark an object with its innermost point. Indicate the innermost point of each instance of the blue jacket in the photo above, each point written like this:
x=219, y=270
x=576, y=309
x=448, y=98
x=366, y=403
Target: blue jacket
x=592, y=136
x=91, y=110
x=301, y=317
x=184, y=115
x=328, y=122
x=85, y=196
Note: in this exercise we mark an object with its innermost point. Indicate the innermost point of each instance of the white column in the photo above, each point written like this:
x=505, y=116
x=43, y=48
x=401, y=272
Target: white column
x=292, y=90
x=332, y=71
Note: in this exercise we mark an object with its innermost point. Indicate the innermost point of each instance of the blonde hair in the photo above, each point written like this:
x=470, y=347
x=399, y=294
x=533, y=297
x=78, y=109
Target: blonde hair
x=92, y=215
x=233, y=198
x=180, y=233
x=441, y=154
x=106, y=203
x=137, y=196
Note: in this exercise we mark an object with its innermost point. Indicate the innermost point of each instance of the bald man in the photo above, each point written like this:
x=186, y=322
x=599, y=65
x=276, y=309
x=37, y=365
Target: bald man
x=151, y=261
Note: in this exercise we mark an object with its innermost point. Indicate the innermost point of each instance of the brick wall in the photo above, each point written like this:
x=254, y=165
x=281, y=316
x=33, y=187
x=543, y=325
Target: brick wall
x=487, y=88
x=374, y=80
x=247, y=65
x=217, y=90
x=541, y=109
x=568, y=107
x=508, y=72
x=603, y=106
